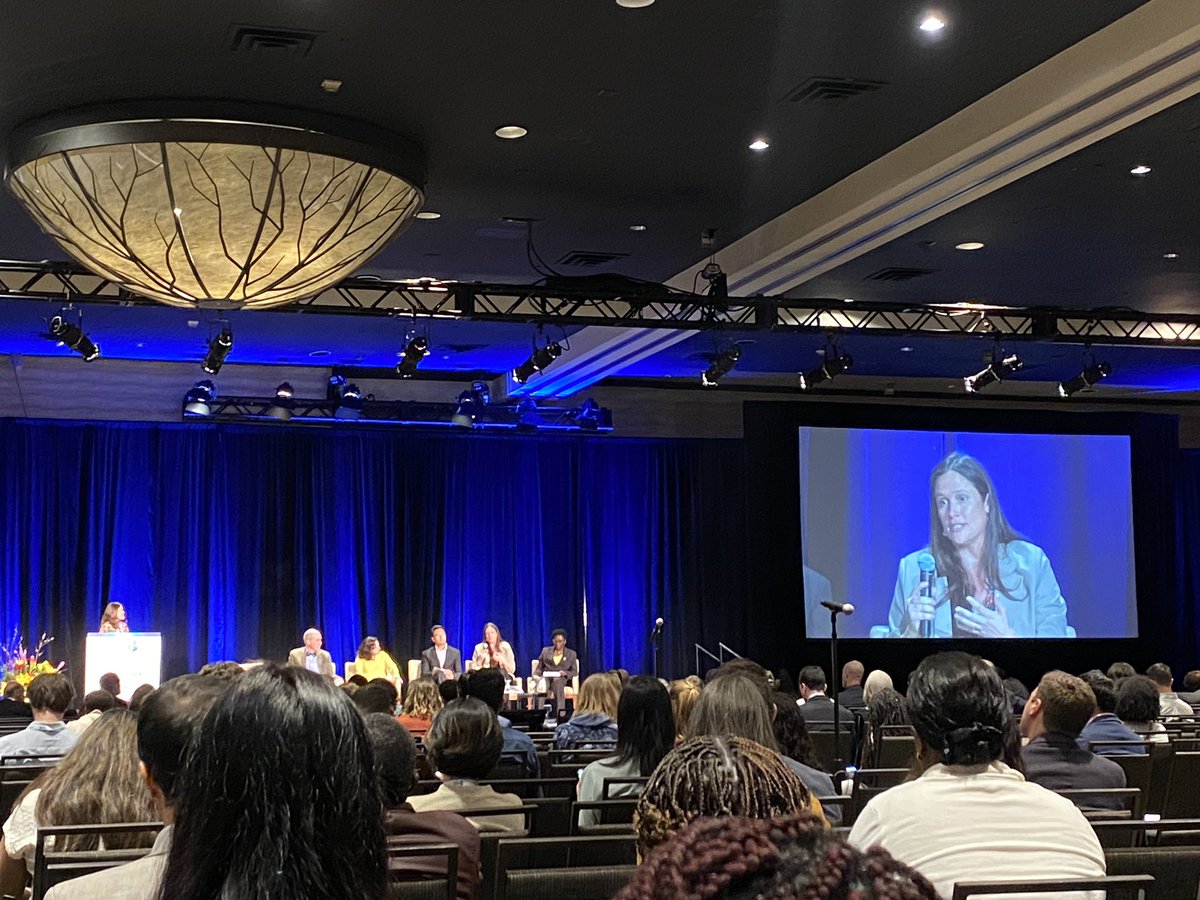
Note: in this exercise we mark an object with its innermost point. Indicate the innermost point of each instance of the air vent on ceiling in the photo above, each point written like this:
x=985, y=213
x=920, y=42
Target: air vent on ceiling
x=831, y=89
x=898, y=273
x=260, y=38
x=589, y=258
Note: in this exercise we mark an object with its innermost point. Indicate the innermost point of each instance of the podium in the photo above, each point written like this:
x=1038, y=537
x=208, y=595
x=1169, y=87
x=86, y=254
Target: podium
x=135, y=657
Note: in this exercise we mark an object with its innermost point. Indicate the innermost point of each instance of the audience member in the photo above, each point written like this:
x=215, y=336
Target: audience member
x=464, y=744
x=1138, y=707
x=851, y=693
x=786, y=684
x=1191, y=688
x=96, y=783
x=1169, y=702
x=886, y=708
x=968, y=816
x=817, y=709
x=139, y=695
x=791, y=734
x=715, y=775
x=789, y=858
x=448, y=690
x=13, y=705
x=517, y=749
x=595, y=717
x=357, y=680
x=47, y=735
x=738, y=705
x=1104, y=725
x=225, y=670
x=395, y=757
x=111, y=682
x=165, y=726
x=1018, y=694
x=1119, y=671
x=876, y=681
x=645, y=734
x=684, y=694
x=393, y=692
x=278, y=797
x=421, y=705
x=374, y=698
x=95, y=704
x=1057, y=711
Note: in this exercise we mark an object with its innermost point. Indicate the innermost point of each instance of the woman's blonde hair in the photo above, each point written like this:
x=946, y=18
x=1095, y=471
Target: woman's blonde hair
x=110, y=613
x=599, y=693
x=98, y=783
x=424, y=699
x=684, y=694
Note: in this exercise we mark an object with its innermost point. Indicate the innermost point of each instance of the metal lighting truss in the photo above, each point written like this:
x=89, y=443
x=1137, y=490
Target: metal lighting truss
x=654, y=307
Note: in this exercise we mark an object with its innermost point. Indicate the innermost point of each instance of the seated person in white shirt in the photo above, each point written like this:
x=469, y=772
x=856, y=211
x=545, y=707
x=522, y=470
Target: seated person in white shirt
x=1169, y=702
x=47, y=735
x=968, y=816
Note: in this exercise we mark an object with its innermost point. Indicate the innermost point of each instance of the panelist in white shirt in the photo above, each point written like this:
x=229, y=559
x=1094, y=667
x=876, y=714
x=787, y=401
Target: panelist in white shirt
x=441, y=660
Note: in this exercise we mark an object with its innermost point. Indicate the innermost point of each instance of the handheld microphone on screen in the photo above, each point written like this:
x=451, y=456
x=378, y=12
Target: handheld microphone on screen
x=658, y=627
x=843, y=608
x=928, y=572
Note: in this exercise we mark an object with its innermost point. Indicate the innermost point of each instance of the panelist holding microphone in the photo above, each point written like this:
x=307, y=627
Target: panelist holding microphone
x=978, y=577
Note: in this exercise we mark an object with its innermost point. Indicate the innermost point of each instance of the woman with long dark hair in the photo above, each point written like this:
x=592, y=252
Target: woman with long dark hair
x=645, y=734
x=988, y=580
x=494, y=652
x=968, y=816
x=278, y=798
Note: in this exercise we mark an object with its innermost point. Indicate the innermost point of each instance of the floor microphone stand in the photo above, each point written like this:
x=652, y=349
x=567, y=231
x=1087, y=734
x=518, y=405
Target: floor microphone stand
x=833, y=673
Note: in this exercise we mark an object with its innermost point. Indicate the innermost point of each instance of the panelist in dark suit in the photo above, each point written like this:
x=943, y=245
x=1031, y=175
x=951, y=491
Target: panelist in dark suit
x=1055, y=713
x=441, y=660
x=558, y=657
x=818, y=708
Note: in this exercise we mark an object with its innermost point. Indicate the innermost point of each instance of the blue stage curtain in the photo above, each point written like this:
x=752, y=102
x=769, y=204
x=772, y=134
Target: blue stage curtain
x=231, y=540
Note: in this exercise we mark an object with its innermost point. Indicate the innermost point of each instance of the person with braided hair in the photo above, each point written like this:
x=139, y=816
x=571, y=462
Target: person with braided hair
x=968, y=816
x=787, y=858
x=716, y=775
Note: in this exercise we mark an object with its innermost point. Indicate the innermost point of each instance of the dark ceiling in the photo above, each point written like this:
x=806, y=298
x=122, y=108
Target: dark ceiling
x=641, y=116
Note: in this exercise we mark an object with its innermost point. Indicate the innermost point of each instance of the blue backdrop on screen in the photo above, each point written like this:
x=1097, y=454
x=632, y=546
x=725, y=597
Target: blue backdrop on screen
x=865, y=504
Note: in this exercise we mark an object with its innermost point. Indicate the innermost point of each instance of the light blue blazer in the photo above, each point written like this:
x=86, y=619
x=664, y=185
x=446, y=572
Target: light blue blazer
x=1029, y=593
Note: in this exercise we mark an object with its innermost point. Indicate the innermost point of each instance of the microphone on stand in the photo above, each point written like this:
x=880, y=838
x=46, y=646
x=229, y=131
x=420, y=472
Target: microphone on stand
x=844, y=608
x=928, y=569
x=658, y=627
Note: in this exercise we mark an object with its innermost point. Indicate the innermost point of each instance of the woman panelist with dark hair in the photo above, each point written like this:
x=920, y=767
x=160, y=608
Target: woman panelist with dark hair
x=984, y=579
x=494, y=652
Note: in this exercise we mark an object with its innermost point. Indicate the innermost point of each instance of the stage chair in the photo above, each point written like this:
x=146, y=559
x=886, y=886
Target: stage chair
x=444, y=887
x=52, y=867
x=1115, y=886
x=580, y=868
x=1176, y=870
x=414, y=670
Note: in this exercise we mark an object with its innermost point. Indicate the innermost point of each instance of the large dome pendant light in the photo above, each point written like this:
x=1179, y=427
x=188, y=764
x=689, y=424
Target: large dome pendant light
x=193, y=211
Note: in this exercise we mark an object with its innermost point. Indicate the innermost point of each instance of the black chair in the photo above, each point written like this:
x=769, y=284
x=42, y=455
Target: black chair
x=615, y=816
x=826, y=749
x=549, y=787
x=518, y=861
x=1136, y=767
x=13, y=781
x=843, y=805
x=1127, y=800
x=1176, y=870
x=869, y=782
x=895, y=752
x=610, y=783
x=1182, y=800
x=1135, y=886
x=400, y=885
x=51, y=867
x=527, y=811
x=553, y=817
x=1152, y=833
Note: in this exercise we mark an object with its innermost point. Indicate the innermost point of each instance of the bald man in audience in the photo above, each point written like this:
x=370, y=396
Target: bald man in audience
x=1057, y=710
x=851, y=693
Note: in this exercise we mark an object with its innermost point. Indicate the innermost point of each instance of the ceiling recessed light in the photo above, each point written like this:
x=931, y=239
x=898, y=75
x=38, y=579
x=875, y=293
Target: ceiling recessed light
x=969, y=245
x=511, y=132
x=320, y=354
x=759, y=145
x=428, y=215
x=637, y=227
x=906, y=349
x=1140, y=169
x=847, y=299
x=634, y=4
x=932, y=23
x=1170, y=256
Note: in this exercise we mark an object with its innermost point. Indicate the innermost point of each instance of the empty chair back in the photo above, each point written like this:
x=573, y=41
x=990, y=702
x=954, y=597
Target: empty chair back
x=1176, y=870
x=1116, y=887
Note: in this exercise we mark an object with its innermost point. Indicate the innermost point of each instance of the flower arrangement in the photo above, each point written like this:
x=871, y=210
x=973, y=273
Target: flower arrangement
x=22, y=665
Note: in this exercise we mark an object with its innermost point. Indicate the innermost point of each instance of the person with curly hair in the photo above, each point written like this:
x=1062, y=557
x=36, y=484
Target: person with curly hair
x=969, y=816
x=787, y=858
x=421, y=705
x=684, y=694
x=715, y=775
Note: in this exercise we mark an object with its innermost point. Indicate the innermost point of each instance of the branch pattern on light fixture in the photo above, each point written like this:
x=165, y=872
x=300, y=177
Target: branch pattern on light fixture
x=189, y=211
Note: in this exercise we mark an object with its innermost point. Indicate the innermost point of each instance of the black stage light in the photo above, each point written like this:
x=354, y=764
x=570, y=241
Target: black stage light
x=721, y=366
x=282, y=407
x=350, y=405
x=416, y=350
x=196, y=401
x=587, y=416
x=218, y=350
x=541, y=357
x=996, y=372
x=528, y=417
x=471, y=404
x=831, y=368
x=1090, y=376
x=71, y=335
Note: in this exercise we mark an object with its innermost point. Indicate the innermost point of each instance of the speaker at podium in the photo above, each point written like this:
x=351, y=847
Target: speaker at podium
x=135, y=657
